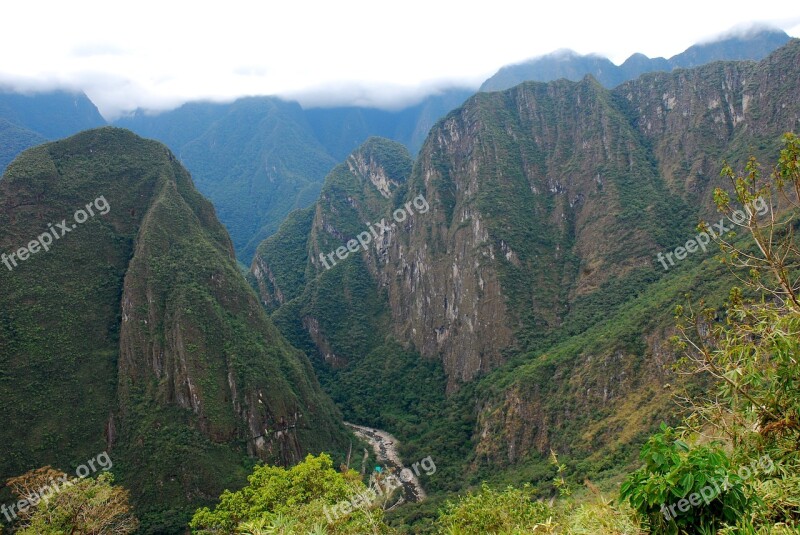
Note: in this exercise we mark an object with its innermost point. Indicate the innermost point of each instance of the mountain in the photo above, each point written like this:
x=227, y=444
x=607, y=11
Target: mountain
x=256, y=159
x=752, y=45
x=559, y=64
x=342, y=130
x=259, y=158
x=53, y=114
x=129, y=328
x=14, y=139
x=30, y=119
x=529, y=285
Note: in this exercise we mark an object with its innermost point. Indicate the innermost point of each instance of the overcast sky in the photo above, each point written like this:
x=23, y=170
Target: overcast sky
x=159, y=54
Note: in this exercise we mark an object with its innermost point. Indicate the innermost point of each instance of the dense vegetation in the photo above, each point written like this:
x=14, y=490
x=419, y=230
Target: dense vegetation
x=27, y=120
x=748, y=351
x=299, y=500
x=59, y=504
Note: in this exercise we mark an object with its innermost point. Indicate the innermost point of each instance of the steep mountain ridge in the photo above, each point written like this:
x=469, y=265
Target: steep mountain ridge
x=526, y=204
x=607, y=387
x=752, y=45
x=344, y=319
x=727, y=109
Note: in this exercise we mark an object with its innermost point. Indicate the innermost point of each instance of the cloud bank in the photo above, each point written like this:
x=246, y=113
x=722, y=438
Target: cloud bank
x=159, y=55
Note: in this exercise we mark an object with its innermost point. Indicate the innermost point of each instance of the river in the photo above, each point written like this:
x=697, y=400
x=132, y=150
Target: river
x=385, y=447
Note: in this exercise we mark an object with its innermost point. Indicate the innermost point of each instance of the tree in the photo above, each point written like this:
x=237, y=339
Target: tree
x=502, y=512
x=297, y=500
x=81, y=506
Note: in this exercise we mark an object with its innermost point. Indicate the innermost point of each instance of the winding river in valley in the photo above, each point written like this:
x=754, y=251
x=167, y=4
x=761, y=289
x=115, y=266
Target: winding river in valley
x=385, y=447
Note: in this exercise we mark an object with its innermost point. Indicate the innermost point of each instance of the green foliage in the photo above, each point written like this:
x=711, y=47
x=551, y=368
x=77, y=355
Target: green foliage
x=507, y=512
x=749, y=354
x=89, y=505
x=294, y=501
x=601, y=517
x=673, y=471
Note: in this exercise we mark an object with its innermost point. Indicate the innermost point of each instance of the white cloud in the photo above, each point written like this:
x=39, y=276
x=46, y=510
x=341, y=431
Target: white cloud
x=157, y=54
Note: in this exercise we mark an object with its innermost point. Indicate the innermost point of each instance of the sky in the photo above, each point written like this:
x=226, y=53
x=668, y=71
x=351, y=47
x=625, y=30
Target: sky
x=157, y=55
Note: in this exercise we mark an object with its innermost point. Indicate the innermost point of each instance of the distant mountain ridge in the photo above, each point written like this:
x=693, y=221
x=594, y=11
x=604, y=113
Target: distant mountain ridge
x=255, y=182
x=259, y=158
x=30, y=119
x=754, y=45
x=256, y=158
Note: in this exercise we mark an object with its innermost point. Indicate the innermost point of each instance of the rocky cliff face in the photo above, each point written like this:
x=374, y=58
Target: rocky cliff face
x=686, y=123
x=692, y=119
x=523, y=186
